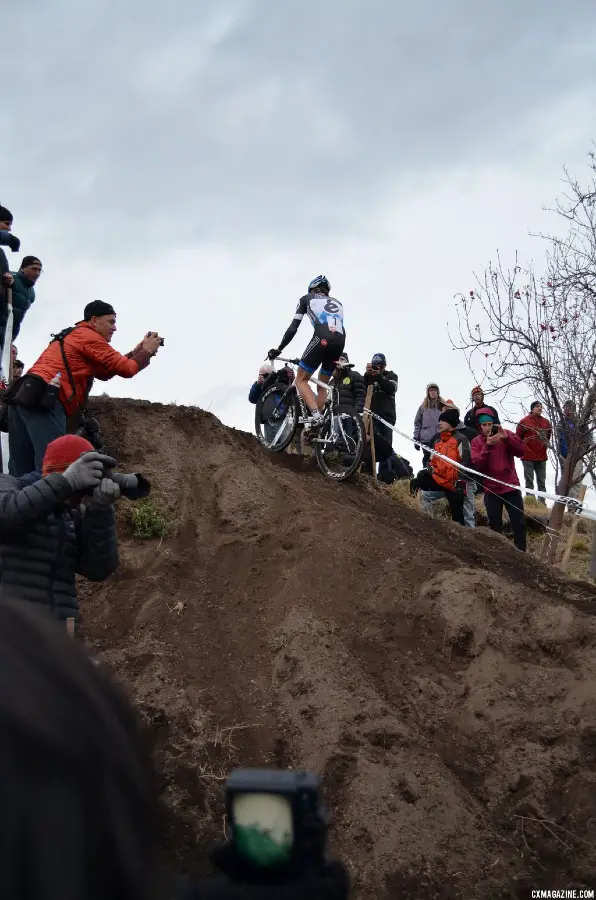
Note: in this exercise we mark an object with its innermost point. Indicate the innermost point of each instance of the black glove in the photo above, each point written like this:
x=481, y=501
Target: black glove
x=14, y=243
x=273, y=354
x=414, y=487
x=417, y=447
x=331, y=883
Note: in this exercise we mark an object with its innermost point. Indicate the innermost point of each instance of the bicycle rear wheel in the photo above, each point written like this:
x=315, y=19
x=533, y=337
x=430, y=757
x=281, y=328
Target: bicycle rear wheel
x=340, y=446
x=276, y=417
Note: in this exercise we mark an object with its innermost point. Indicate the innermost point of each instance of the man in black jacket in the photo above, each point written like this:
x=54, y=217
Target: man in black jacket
x=384, y=384
x=47, y=534
x=350, y=386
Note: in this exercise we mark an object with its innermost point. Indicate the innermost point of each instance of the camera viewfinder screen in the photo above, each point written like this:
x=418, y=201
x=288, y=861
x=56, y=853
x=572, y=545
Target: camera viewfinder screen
x=263, y=828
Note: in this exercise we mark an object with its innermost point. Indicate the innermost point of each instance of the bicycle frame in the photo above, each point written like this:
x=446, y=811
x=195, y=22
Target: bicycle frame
x=306, y=413
x=324, y=384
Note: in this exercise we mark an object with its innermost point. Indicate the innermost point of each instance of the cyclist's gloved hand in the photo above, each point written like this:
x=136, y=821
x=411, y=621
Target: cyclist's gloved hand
x=87, y=471
x=273, y=354
x=331, y=883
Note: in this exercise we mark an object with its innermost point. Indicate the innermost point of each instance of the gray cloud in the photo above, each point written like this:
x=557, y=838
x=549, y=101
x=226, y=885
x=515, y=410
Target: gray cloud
x=171, y=122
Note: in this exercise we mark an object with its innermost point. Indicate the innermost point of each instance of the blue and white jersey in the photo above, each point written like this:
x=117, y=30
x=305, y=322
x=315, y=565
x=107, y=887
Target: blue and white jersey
x=323, y=312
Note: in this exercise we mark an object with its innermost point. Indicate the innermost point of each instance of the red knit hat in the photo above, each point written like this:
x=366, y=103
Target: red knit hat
x=63, y=451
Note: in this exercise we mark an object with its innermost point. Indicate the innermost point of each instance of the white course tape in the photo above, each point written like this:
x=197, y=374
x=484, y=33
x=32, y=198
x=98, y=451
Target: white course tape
x=573, y=506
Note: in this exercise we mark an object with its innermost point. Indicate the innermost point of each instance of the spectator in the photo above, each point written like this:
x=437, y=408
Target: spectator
x=47, y=536
x=428, y=498
x=426, y=423
x=441, y=475
x=18, y=368
x=535, y=433
x=493, y=453
x=351, y=388
x=6, y=240
x=478, y=403
x=23, y=290
x=38, y=411
x=266, y=378
x=384, y=384
x=566, y=435
x=257, y=387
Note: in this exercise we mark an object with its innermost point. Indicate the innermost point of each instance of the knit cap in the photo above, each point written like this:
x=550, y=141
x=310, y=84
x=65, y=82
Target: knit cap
x=62, y=452
x=98, y=308
x=451, y=416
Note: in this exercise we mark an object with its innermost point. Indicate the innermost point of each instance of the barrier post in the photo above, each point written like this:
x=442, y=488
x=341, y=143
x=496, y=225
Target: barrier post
x=369, y=430
x=564, y=564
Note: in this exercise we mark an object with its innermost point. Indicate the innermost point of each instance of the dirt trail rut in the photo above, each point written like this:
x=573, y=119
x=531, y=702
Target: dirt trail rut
x=444, y=684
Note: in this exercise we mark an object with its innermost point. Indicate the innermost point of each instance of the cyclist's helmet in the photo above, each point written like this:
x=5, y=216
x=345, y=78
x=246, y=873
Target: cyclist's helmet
x=320, y=283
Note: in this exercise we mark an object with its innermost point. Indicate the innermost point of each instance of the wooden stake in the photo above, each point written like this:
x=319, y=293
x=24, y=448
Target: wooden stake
x=564, y=564
x=369, y=430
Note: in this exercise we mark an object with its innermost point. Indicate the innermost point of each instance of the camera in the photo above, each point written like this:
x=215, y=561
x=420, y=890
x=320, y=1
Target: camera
x=276, y=819
x=161, y=342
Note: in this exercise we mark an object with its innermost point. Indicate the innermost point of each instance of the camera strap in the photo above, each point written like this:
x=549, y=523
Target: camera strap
x=60, y=338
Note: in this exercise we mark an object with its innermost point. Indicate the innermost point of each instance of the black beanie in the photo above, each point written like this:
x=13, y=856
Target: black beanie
x=451, y=416
x=5, y=214
x=98, y=308
x=29, y=260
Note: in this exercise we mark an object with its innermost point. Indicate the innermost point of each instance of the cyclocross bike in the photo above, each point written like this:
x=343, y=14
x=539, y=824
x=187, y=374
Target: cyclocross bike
x=338, y=444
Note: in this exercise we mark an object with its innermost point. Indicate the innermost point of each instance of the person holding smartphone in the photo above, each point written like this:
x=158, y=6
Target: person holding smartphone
x=493, y=453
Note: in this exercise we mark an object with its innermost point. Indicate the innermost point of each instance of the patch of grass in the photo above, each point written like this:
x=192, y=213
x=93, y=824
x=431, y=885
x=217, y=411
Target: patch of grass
x=581, y=546
x=149, y=520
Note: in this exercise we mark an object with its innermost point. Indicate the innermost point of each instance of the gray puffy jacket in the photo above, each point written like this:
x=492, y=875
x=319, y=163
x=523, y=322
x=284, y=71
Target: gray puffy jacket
x=426, y=424
x=44, y=543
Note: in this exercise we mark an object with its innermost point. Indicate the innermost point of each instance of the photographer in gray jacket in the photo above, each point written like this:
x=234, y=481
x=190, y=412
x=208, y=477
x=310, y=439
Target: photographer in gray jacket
x=48, y=535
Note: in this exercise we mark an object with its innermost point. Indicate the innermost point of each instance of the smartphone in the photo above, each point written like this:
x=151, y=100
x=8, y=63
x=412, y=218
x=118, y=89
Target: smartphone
x=276, y=817
x=494, y=430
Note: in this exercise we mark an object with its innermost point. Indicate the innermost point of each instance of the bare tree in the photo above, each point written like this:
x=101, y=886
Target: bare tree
x=529, y=335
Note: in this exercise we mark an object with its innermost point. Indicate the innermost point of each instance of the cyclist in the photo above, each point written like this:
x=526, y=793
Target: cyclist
x=327, y=318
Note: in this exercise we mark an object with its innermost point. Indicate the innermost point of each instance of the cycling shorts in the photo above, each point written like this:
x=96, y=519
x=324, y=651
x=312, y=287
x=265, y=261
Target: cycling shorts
x=324, y=350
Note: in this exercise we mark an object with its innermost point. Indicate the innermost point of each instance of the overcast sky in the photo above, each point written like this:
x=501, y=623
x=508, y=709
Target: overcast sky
x=197, y=163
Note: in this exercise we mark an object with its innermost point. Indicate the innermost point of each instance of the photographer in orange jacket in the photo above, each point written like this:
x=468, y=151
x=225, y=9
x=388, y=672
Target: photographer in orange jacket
x=59, y=383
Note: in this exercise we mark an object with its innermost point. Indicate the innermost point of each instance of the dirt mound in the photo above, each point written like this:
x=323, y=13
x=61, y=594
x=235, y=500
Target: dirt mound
x=443, y=683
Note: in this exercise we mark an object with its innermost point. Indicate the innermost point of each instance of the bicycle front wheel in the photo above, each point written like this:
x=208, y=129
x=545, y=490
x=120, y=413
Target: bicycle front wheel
x=340, y=446
x=276, y=417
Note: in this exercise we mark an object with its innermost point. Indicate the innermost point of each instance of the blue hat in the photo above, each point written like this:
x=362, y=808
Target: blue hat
x=379, y=359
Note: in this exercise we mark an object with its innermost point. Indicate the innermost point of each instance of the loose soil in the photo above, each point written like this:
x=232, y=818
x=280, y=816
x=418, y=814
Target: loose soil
x=442, y=683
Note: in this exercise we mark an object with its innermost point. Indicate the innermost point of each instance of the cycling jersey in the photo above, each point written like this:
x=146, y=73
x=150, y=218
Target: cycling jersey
x=321, y=310
x=327, y=318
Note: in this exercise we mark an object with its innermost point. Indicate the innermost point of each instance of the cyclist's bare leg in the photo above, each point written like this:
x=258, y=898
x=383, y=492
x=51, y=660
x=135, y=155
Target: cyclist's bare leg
x=321, y=392
x=304, y=389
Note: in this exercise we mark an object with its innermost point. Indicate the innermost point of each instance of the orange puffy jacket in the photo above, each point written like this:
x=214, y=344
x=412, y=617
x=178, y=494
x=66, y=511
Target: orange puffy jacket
x=89, y=356
x=456, y=446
